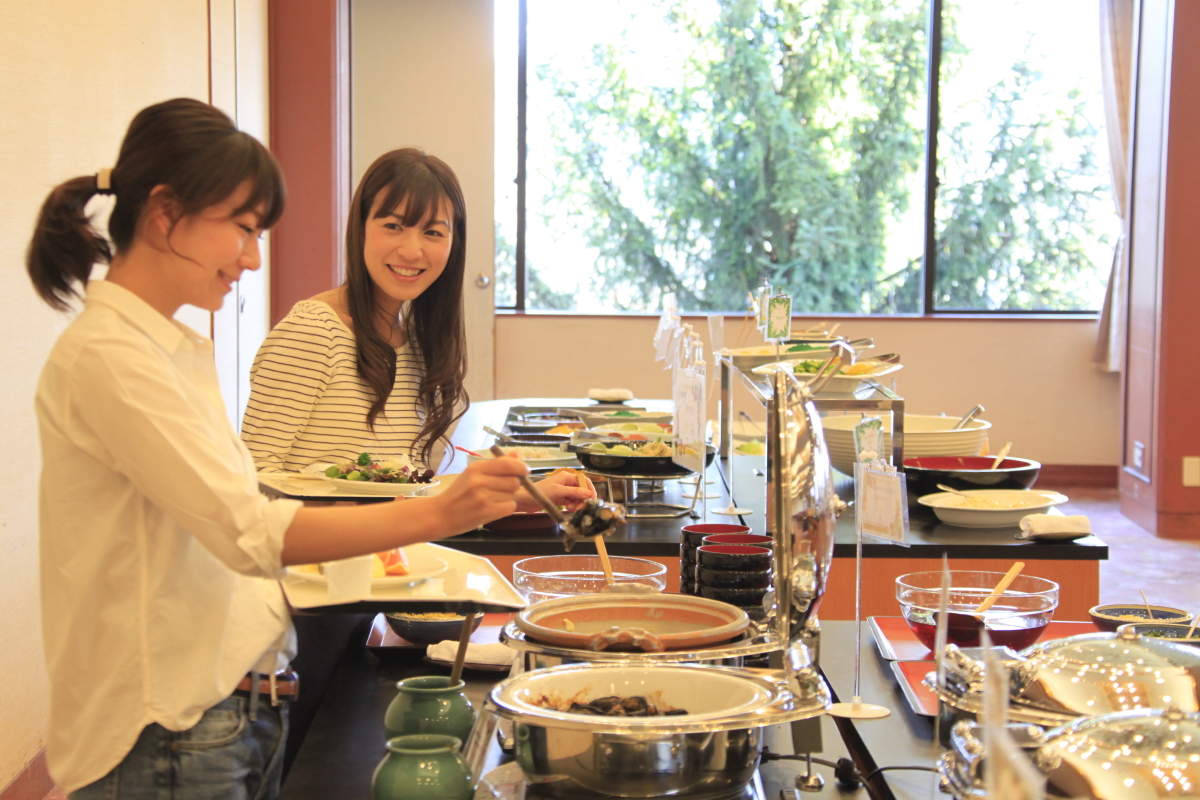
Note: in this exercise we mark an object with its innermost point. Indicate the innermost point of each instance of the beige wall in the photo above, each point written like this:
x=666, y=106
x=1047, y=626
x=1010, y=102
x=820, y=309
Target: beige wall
x=1034, y=376
x=421, y=76
x=74, y=74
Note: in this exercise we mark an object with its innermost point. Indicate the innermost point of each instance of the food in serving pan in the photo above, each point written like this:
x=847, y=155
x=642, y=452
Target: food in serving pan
x=647, y=449
x=388, y=563
x=534, y=453
x=613, y=706
x=566, y=428
x=396, y=469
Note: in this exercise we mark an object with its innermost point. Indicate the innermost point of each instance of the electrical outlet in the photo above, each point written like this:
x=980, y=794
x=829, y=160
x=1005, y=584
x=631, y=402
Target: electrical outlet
x=1139, y=456
x=1191, y=470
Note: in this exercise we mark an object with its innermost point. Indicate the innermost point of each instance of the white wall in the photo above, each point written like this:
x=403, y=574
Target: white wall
x=421, y=75
x=1034, y=376
x=74, y=75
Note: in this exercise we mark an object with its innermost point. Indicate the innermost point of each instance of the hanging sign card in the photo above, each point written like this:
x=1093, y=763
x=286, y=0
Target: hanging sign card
x=880, y=499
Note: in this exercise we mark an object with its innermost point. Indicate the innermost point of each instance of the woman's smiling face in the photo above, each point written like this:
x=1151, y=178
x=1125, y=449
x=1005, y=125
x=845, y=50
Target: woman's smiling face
x=404, y=261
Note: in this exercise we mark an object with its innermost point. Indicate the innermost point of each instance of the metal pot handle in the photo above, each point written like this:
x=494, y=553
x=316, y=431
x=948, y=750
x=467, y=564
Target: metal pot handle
x=639, y=638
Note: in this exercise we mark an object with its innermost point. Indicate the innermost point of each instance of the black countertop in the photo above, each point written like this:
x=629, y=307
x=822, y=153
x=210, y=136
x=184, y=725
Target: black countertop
x=927, y=538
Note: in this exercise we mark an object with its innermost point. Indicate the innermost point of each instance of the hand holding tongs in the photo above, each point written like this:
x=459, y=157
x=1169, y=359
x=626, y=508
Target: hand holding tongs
x=595, y=518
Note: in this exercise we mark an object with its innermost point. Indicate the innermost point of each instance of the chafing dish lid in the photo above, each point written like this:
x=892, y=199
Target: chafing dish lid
x=1127, y=756
x=1114, y=651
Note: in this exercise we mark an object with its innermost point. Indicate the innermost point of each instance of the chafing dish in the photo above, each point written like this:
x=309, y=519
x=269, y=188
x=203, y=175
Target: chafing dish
x=712, y=749
x=1130, y=755
x=1057, y=682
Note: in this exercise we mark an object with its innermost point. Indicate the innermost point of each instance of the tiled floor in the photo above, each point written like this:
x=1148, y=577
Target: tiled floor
x=1168, y=571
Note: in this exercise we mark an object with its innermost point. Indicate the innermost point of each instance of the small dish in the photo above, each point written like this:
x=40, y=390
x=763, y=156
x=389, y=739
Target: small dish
x=389, y=489
x=736, y=597
x=733, y=579
x=1112, y=616
x=990, y=508
x=1168, y=633
x=734, y=556
x=694, y=535
x=752, y=539
x=422, y=629
x=420, y=568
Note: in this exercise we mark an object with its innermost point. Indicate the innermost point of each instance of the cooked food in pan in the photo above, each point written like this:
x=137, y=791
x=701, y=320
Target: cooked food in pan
x=612, y=706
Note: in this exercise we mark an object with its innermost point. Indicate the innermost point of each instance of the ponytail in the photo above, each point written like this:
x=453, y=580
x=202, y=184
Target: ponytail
x=65, y=246
x=188, y=146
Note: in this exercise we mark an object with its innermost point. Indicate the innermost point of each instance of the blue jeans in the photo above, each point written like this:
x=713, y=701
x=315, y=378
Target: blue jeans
x=224, y=755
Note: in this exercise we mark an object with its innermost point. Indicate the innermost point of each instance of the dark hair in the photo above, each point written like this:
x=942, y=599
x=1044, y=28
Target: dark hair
x=188, y=146
x=434, y=320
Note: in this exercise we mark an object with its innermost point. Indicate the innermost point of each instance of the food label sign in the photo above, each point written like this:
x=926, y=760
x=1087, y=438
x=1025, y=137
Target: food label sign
x=688, y=451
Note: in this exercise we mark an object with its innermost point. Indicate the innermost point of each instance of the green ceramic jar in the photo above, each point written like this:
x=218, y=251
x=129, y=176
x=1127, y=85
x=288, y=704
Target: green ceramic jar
x=430, y=704
x=422, y=767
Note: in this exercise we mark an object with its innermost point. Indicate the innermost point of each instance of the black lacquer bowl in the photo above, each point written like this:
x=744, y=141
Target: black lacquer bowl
x=968, y=472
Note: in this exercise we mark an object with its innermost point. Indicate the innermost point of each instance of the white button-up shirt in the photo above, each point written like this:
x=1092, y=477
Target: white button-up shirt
x=158, y=553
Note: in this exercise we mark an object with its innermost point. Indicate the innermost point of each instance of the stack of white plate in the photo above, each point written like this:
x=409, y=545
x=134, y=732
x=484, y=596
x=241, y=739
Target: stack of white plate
x=923, y=436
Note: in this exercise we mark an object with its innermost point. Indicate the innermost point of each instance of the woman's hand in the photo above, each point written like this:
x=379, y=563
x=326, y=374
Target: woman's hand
x=561, y=488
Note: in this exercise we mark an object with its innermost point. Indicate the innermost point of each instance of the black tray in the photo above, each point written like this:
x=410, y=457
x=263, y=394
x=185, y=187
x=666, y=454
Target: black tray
x=633, y=465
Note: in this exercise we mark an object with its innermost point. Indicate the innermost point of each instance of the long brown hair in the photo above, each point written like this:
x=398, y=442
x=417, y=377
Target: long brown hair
x=434, y=320
x=188, y=146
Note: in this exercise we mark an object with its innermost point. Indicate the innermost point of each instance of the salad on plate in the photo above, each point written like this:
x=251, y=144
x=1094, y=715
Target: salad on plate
x=395, y=469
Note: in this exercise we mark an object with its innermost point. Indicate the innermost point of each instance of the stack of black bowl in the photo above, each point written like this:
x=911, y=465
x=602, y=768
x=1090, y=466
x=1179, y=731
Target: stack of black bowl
x=727, y=563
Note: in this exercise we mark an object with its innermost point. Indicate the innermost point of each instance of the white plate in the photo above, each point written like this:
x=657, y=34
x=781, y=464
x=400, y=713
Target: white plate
x=1023, y=502
x=389, y=489
x=839, y=383
x=593, y=420
x=564, y=459
x=421, y=567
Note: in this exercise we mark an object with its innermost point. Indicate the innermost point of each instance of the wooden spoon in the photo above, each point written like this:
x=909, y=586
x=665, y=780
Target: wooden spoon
x=974, y=620
x=946, y=488
x=601, y=550
x=1192, y=629
x=1008, y=578
x=464, y=638
x=1145, y=602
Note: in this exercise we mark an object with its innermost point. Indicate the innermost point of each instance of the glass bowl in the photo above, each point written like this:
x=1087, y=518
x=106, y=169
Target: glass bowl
x=550, y=577
x=1017, y=619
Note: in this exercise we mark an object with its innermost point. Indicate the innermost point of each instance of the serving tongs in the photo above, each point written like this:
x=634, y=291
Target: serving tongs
x=842, y=355
x=594, y=520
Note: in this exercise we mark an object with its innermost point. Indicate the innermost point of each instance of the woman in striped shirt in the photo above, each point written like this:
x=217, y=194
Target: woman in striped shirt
x=376, y=365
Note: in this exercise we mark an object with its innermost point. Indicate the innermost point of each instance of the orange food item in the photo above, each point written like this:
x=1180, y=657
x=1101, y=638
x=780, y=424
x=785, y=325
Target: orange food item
x=394, y=562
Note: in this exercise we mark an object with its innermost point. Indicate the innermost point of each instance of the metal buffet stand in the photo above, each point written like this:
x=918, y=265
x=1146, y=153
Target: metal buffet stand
x=872, y=397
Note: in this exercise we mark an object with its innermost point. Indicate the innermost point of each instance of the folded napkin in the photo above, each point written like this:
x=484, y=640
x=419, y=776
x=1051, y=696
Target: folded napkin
x=1055, y=526
x=476, y=653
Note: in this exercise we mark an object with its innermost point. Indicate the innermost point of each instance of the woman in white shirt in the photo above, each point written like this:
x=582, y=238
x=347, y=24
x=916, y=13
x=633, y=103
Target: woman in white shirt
x=159, y=626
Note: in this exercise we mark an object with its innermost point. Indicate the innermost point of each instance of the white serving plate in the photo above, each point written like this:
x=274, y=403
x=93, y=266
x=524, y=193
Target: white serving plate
x=1017, y=504
x=594, y=420
x=842, y=384
x=924, y=435
x=651, y=430
x=421, y=566
x=388, y=489
x=748, y=358
x=565, y=459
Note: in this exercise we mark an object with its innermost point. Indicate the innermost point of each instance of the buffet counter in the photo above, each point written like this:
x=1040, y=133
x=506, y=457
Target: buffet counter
x=1075, y=566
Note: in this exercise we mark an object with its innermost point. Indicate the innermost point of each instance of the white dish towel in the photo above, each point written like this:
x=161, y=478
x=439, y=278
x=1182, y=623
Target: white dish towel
x=1055, y=526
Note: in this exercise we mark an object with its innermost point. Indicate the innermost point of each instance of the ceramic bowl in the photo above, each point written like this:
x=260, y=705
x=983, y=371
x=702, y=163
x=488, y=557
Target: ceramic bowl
x=420, y=629
x=694, y=535
x=733, y=579
x=1168, y=633
x=1110, y=617
x=688, y=556
x=924, y=435
x=752, y=539
x=742, y=558
x=923, y=474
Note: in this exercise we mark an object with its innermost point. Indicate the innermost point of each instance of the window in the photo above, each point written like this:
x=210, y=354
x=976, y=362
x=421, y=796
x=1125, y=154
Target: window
x=703, y=146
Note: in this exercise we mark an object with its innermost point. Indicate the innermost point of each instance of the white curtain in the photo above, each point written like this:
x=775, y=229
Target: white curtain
x=1116, y=64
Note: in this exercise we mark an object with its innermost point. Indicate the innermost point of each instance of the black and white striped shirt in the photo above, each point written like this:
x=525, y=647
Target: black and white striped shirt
x=308, y=404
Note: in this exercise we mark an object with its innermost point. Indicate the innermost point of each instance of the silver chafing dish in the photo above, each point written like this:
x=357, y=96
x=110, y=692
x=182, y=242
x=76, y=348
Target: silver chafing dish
x=1140, y=754
x=1059, y=681
x=714, y=749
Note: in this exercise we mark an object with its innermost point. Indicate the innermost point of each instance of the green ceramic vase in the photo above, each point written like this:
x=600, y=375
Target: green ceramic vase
x=430, y=704
x=422, y=767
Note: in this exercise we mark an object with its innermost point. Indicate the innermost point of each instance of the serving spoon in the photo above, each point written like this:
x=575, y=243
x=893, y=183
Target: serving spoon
x=503, y=437
x=970, y=415
x=1002, y=455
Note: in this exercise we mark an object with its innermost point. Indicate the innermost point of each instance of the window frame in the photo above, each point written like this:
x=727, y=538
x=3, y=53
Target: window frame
x=928, y=258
